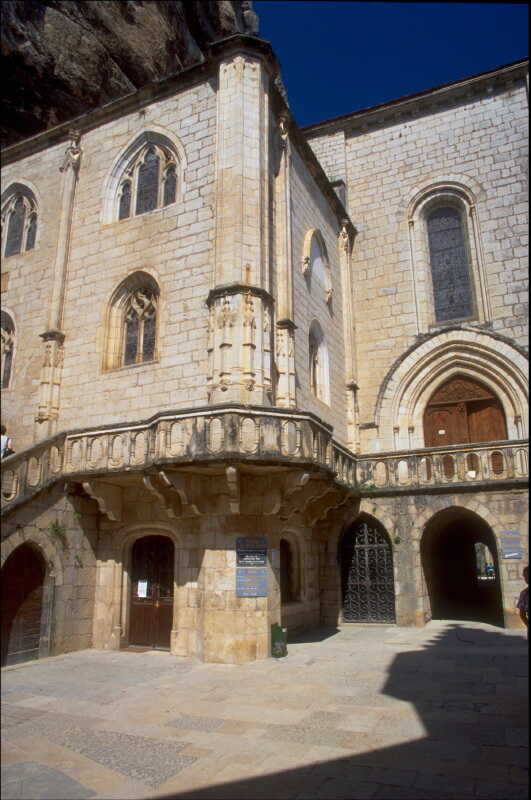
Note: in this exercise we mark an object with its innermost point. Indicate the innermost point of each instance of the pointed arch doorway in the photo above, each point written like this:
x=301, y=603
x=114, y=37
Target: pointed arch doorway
x=367, y=575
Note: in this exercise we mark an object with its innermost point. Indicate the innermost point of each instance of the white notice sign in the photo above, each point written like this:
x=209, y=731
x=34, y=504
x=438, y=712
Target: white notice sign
x=142, y=589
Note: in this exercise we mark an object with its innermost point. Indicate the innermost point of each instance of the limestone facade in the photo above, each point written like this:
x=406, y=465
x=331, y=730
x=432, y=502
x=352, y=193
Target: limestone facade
x=209, y=344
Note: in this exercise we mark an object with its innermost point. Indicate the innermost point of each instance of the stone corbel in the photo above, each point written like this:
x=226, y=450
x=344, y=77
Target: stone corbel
x=320, y=507
x=170, y=501
x=188, y=489
x=72, y=156
x=299, y=491
x=108, y=496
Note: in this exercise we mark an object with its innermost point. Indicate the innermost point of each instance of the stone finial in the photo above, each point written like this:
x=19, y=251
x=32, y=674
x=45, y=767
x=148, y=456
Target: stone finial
x=250, y=18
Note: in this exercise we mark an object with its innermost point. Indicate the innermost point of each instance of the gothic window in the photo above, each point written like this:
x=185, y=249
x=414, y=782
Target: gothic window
x=149, y=180
x=19, y=221
x=318, y=363
x=450, y=267
x=8, y=344
x=132, y=323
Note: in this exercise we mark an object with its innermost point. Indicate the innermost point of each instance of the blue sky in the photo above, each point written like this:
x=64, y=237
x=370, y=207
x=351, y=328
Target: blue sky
x=337, y=57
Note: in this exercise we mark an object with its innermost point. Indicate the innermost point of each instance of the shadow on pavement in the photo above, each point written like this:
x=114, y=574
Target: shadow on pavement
x=473, y=748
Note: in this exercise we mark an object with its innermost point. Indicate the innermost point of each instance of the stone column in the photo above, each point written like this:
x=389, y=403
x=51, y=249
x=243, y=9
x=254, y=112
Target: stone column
x=53, y=336
x=345, y=242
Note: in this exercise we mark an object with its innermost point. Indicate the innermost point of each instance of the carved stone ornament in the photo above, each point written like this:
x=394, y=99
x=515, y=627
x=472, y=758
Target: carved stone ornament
x=283, y=127
x=329, y=295
x=344, y=236
x=306, y=265
x=73, y=152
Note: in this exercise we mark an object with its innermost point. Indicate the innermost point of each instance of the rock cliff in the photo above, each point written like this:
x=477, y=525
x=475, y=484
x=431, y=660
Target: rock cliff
x=62, y=58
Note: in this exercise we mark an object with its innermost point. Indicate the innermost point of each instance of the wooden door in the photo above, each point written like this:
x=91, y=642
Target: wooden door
x=22, y=593
x=463, y=411
x=151, y=614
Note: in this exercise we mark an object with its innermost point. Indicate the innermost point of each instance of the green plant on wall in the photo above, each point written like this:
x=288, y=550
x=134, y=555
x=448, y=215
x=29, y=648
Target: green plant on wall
x=57, y=529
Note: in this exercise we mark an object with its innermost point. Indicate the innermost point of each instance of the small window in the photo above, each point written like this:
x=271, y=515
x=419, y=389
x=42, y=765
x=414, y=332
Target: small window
x=19, y=220
x=450, y=267
x=8, y=346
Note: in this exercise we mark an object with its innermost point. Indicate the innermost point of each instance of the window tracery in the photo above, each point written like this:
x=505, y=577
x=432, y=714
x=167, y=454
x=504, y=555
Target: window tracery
x=19, y=221
x=8, y=346
x=450, y=266
x=132, y=323
x=148, y=182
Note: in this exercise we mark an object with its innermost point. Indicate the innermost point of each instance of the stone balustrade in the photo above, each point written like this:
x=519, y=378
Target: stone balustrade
x=242, y=434
x=443, y=466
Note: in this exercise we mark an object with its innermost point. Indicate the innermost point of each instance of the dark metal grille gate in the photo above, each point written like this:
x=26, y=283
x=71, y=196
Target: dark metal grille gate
x=367, y=575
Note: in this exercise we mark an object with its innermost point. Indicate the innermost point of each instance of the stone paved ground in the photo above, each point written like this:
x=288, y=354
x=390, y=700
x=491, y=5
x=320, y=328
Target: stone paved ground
x=368, y=712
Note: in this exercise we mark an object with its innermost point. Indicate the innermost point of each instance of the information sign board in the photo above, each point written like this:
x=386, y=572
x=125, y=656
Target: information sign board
x=251, y=582
x=251, y=551
x=511, y=544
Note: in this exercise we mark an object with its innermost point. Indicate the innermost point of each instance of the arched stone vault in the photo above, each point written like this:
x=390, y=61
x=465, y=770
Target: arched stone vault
x=42, y=541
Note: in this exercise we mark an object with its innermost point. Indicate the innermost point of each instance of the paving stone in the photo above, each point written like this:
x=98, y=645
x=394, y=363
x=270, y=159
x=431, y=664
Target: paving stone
x=190, y=723
x=450, y=785
x=29, y=780
x=517, y=737
x=151, y=761
x=487, y=790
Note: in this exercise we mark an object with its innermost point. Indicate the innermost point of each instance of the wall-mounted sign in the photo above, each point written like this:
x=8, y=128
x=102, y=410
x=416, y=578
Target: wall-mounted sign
x=141, y=589
x=511, y=544
x=251, y=551
x=251, y=582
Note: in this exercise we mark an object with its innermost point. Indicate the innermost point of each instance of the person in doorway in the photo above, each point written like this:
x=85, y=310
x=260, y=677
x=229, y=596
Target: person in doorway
x=523, y=600
x=6, y=444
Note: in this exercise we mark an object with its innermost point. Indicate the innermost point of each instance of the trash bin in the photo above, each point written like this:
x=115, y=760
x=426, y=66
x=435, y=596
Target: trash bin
x=279, y=636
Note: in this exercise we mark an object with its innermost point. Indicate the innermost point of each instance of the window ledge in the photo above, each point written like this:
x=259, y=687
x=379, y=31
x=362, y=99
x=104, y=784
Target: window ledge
x=124, y=367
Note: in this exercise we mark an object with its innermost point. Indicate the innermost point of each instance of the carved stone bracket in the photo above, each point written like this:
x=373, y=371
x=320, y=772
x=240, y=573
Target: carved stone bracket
x=329, y=501
x=108, y=497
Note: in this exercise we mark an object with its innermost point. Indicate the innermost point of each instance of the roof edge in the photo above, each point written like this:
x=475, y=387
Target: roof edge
x=503, y=72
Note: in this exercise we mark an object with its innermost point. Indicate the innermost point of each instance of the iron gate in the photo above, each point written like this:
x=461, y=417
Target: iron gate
x=367, y=575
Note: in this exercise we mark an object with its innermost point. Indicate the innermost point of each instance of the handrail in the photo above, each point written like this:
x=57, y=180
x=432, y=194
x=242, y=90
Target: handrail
x=239, y=433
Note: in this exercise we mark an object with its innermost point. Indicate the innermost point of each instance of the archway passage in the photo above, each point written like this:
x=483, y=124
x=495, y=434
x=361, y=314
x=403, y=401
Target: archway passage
x=459, y=586
x=463, y=410
x=22, y=601
x=367, y=578
x=151, y=615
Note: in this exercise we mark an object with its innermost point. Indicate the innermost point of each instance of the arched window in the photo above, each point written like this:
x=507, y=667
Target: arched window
x=8, y=345
x=318, y=363
x=450, y=264
x=315, y=263
x=149, y=180
x=132, y=322
x=19, y=220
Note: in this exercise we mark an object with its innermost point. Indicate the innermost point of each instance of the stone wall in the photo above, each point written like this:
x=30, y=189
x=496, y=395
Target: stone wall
x=479, y=142
x=63, y=528
x=406, y=519
x=311, y=210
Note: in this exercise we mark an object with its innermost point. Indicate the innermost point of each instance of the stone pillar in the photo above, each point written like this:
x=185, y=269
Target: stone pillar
x=285, y=326
x=53, y=336
x=240, y=303
x=345, y=242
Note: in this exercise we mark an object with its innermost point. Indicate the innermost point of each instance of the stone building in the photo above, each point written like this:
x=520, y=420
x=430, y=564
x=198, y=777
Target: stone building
x=257, y=374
